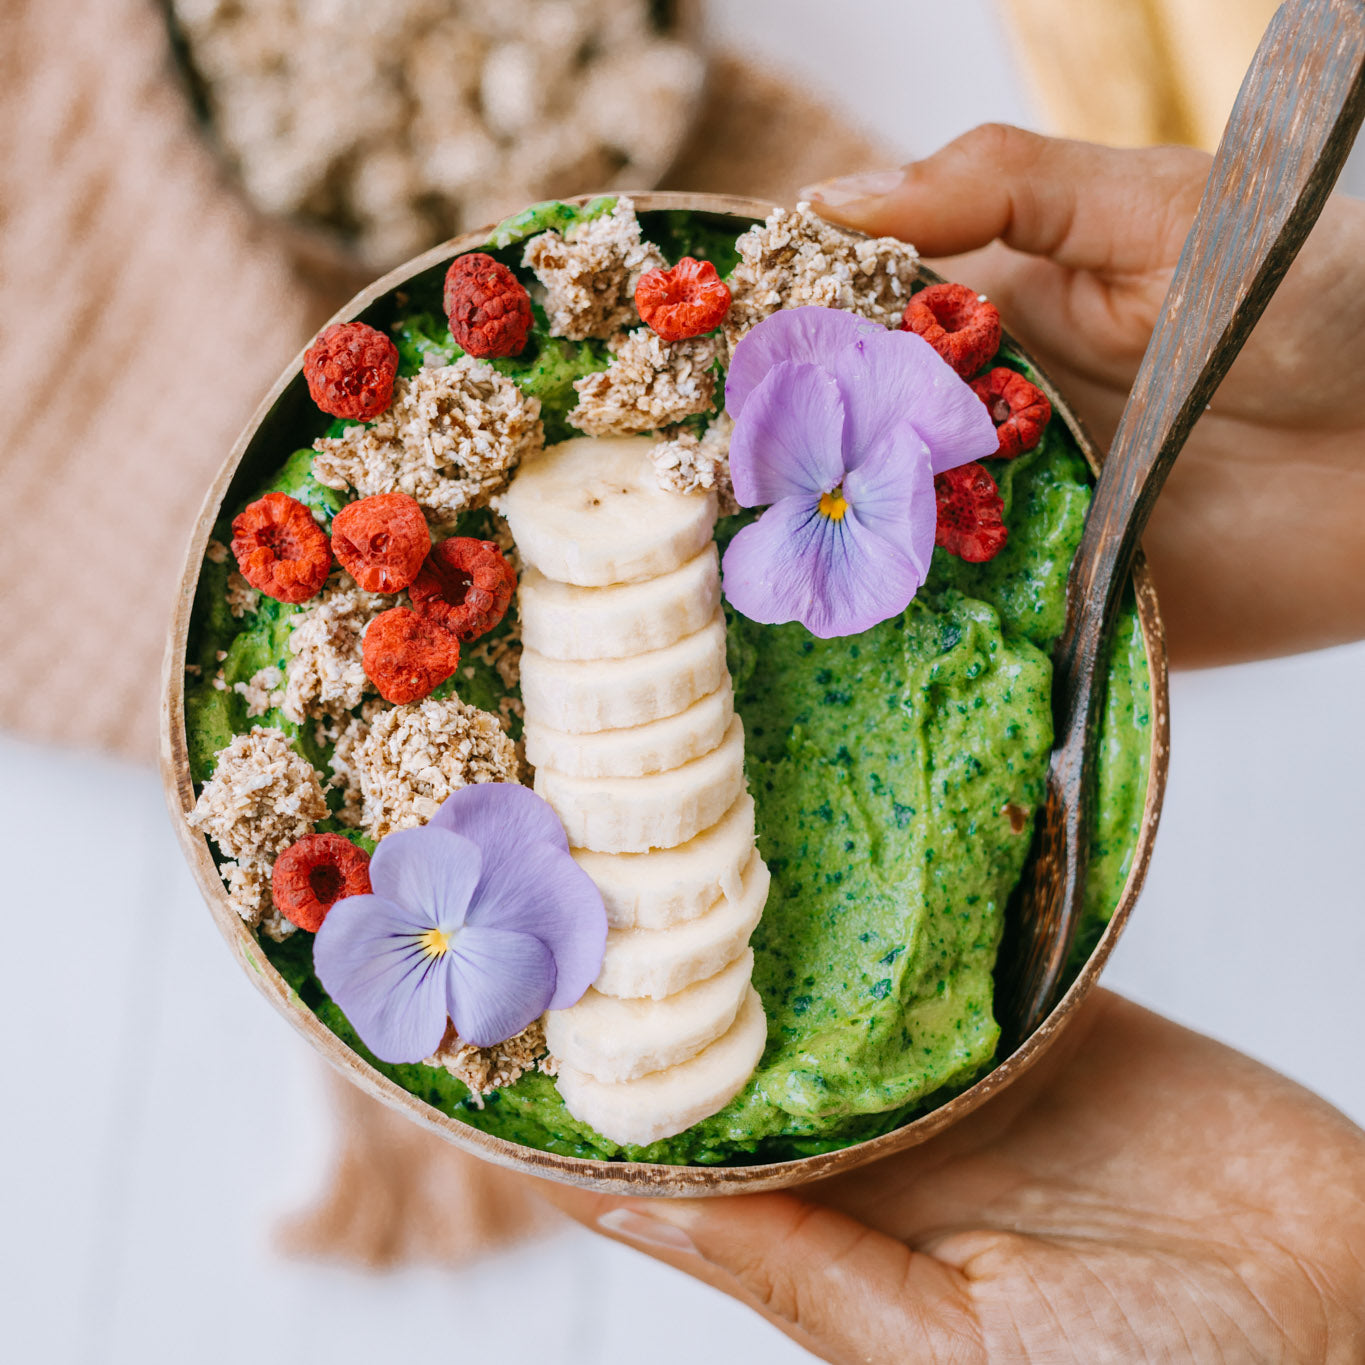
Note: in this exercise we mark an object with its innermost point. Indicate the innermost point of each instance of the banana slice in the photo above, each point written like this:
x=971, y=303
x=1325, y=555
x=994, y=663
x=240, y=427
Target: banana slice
x=618, y=1040
x=659, y=962
x=589, y=511
x=640, y=750
x=565, y=622
x=584, y=696
x=659, y=810
x=663, y=1104
x=670, y=886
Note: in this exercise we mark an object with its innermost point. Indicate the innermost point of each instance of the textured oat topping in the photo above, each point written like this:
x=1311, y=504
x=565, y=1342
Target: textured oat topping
x=414, y=756
x=216, y=552
x=344, y=733
x=263, y=690
x=590, y=274
x=325, y=675
x=651, y=383
x=262, y=797
x=450, y=440
x=241, y=596
x=409, y=121
x=796, y=258
x=485, y=1069
x=686, y=463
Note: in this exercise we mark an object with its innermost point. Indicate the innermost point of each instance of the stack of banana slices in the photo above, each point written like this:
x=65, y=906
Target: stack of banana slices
x=631, y=727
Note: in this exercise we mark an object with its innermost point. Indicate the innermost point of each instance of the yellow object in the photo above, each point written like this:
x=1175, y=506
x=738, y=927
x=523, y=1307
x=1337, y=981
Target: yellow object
x=1136, y=72
x=434, y=943
x=833, y=505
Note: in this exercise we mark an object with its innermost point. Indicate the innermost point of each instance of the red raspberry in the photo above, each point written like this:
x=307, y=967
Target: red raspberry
x=309, y=877
x=464, y=586
x=381, y=541
x=969, y=514
x=280, y=549
x=350, y=370
x=406, y=656
x=1020, y=410
x=488, y=307
x=962, y=327
x=683, y=302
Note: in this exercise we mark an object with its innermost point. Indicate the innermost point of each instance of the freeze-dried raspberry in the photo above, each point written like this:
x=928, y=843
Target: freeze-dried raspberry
x=381, y=541
x=969, y=514
x=309, y=877
x=957, y=322
x=280, y=549
x=1020, y=410
x=465, y=586
x=406, y=655
x=350, y=370
x=488, y=307
x=683, y=302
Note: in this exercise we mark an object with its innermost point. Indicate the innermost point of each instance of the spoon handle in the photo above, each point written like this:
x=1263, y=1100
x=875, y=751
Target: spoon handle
x=1290, y=131
x=1291, y=128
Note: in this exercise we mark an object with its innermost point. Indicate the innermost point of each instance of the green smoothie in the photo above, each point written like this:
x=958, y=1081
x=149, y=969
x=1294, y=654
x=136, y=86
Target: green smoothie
x=895, y=775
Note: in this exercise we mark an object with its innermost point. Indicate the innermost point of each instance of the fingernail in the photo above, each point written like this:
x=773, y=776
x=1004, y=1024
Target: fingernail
x=848, y=189
x=643, y=1230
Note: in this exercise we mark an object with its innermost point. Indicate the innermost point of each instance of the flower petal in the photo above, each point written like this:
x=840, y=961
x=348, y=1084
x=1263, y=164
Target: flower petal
x=891, y=494
x=790, y=439
x=890, y=379
x=835, y=577
x=500, y=815
x=536, y=888
x=430, y=872
x=367, y=956
x=499, y=981
x=806, y=335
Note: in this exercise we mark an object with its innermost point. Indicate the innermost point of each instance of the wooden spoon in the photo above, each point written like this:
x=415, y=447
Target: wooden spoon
x=1291, y=128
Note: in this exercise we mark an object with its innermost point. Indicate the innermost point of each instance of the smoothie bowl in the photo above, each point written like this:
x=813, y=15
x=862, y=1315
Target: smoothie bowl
x=610, y=697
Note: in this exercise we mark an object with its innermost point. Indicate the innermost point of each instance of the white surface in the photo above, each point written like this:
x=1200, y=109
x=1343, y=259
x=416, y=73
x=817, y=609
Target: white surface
x=161, y=1119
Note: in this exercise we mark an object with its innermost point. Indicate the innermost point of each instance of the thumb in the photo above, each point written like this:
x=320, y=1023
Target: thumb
x=838, y=1287
x=1084, y=206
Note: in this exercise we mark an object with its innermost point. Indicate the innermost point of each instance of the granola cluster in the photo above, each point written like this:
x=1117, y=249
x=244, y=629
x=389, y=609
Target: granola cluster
x=242, y=598
x=796, y=258
x=651, y=383
x=325, y=676
x=485, y=1069
x=412, y=757
x=262, y=797
x=687, y=463
x=590, y=273
x=409, y=121
x=450, y=440
x=263, y=691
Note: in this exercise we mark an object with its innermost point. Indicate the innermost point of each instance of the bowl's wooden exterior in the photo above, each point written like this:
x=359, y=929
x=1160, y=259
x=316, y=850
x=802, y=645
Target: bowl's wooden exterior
x=616, y=1177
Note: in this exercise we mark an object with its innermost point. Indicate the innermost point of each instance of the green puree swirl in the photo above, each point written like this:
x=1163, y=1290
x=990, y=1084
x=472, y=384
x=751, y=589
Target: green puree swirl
x=881, y=767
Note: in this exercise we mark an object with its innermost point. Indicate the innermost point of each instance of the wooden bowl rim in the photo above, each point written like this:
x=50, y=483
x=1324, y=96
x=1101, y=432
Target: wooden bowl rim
x=621, y=1177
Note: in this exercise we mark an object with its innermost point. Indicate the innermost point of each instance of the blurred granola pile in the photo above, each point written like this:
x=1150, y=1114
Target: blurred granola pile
x=401, y=123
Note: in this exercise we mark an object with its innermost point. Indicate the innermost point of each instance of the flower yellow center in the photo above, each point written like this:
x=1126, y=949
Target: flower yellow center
x=434, y=943
x=833, y=504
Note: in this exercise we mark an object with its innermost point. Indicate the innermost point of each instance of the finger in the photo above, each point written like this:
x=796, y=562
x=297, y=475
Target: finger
x=1083, y=206
x=836, y=1285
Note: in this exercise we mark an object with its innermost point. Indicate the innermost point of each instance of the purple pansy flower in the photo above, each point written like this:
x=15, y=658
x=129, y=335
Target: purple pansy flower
x=841, y=426
x=480, y=915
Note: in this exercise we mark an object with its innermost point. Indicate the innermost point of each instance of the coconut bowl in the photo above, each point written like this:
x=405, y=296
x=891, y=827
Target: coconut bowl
x=278, y=425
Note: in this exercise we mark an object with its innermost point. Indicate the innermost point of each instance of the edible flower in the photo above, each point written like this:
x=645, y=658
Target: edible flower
x=840, y=426
x=480, y=915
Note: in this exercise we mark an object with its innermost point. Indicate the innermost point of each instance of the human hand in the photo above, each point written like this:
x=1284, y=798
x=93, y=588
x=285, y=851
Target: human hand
x=1143, y=1194
x=1256, y=543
